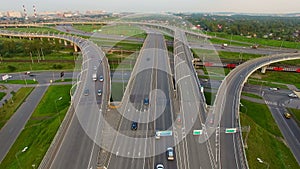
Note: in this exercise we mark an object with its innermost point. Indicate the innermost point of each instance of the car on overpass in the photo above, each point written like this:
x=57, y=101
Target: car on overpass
x=134, y=125
x=99, y=92
x=292, y=95
x=86, y=92
x=170, y=153
x=159, y=166
x=146, y=101
x=287, y=115
x=101, y=79
x=274, y=88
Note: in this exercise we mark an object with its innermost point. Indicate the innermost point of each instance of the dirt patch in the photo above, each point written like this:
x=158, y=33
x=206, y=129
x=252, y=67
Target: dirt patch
x=256, y=76
x=2, y=87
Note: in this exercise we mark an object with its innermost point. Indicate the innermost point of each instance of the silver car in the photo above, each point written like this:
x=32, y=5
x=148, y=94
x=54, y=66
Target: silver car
x=159, y=166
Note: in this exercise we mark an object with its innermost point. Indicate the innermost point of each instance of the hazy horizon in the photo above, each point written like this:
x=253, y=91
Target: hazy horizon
x=147, y=6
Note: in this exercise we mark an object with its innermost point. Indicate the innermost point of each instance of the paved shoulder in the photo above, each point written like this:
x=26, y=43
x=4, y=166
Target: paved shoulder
x=10, y=132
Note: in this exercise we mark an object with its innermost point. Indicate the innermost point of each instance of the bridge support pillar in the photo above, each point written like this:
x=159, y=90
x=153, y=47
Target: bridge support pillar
x=49, y=39
x=263, y=69
x=41, y=39
x=66, y=43
x=59, y=41
x=75, y=48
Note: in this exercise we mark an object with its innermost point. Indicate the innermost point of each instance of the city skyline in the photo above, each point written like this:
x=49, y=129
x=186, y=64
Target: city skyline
x=238, y=6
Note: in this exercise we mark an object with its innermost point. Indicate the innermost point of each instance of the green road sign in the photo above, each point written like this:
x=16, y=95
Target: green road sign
x=230, y=130
x=197, y=132
x=164, y=133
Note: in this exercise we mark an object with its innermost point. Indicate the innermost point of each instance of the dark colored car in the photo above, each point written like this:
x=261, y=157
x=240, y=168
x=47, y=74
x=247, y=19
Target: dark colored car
x=86, y=92
x=146, y=101
x=134, y=126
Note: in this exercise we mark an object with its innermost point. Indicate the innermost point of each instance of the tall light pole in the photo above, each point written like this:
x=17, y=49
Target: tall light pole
x=263, y=162
x=16, y=155
x=60, y=98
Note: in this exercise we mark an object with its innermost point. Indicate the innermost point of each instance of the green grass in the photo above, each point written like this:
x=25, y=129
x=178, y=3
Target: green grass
x=261, y=115
x=222, y=41
x=45, y=30
x=288, y=63
x=216, y=71
x=260, y=41
x=211, y=77
x=295, y=114
x=88, y=28
x=280, y=77
x=210, y=97
x=9, y=108
x=126, y=30
x=251, y=95
x=124, y=45
x=25, y=66
x=117, y=90
x=28, y=81
x=225, y=55
x=169, y=38
x=2, y=94
x=265, y=83
x=2, y=87
x=65, y=80
x=121, y=61
x=265, y=140
x=39, y=130
x=64, y=54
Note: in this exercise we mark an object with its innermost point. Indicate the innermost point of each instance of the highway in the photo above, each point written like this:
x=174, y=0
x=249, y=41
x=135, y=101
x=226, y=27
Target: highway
x=10, y=132
x=200, y=44
x=150, y=79
x=288, y=127
x=194, y=151
x=79, y=148
x=227, y=101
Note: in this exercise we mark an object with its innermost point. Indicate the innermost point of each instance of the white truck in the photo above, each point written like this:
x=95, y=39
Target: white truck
x=94, y=76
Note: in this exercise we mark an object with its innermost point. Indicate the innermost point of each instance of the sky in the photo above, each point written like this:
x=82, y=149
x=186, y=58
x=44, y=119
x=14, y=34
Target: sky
x=150, y=6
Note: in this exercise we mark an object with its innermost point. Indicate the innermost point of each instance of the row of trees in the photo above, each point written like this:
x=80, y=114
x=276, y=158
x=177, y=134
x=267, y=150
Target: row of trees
x=271, y=27
x=18, y=47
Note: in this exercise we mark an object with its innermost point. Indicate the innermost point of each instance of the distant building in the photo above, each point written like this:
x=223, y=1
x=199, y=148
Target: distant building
x=14, y=14
x=99, y=12
x=68, y=14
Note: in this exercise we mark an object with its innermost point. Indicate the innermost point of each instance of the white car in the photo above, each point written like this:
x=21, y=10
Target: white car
x=99, y=92
x=273, y=88
x=292, y=95
x=170, y=153
x=159, y=166
x=101, y=79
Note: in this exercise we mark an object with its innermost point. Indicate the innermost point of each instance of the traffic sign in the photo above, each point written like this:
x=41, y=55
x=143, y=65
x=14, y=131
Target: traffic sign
x=230, y=130
x=197, y=132
x=164, y=133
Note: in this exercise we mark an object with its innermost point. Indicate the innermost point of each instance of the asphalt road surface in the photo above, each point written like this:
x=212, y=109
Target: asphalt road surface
x=288, y=127
x=149, y=80
x=10, y=132
x=194, y=151
x=78, y=148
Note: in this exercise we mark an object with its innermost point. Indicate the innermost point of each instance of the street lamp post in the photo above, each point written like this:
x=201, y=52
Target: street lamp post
x=60, y=98
x=245, y=107
x=16, y=155
x=263, y=162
